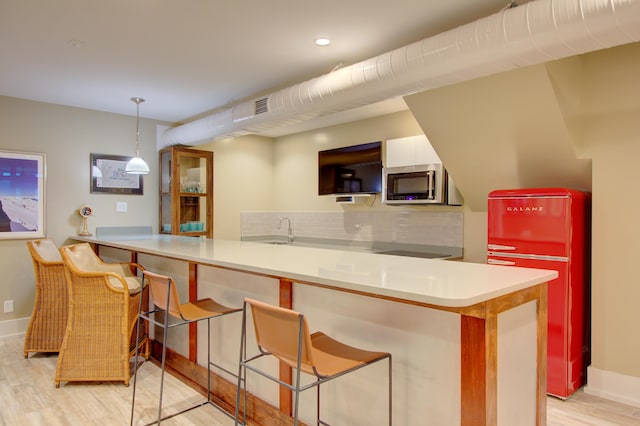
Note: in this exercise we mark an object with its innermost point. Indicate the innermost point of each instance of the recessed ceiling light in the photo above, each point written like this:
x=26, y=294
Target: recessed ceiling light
x=75, y=43
x=323, y=41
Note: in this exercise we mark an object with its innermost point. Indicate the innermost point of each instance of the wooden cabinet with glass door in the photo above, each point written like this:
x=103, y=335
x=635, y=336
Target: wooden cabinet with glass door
x=186, y=191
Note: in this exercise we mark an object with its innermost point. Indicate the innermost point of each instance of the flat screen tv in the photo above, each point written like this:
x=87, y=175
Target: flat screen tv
x=353, y=169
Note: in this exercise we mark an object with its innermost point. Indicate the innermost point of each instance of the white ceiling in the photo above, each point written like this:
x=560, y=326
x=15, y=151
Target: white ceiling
x=190, y=57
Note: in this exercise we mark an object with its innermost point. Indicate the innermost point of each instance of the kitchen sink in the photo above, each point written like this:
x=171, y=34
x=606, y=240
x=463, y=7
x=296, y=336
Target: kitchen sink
x=276, y=242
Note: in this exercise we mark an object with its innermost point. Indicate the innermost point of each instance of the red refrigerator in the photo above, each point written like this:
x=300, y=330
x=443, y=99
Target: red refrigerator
x=549, y=228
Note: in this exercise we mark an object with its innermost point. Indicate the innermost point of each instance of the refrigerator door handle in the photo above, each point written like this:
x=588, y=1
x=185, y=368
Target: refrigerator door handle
x=500, y=247
x=500, y=262
x=528, y=256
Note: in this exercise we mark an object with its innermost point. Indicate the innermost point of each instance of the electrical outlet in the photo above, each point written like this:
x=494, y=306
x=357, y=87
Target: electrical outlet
x=8, y=306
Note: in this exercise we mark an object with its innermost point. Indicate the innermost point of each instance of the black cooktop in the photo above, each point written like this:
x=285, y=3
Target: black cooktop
x=409, y=253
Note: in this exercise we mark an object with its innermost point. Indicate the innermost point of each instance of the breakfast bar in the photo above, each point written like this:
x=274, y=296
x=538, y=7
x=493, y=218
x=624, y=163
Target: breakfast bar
x=468, y=339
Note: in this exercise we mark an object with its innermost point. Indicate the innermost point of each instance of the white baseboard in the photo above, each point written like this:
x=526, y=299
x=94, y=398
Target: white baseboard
x=613, y=386
x=14, y=327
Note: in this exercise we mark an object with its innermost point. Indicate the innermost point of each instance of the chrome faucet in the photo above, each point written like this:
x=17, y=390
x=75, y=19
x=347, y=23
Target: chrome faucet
x=289, y=231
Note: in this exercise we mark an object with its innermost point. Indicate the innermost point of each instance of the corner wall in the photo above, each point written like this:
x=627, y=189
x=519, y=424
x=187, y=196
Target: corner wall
x=610, y=123
x=243, y=180
x=575, y=123
x=67, y=136
x=500, y=132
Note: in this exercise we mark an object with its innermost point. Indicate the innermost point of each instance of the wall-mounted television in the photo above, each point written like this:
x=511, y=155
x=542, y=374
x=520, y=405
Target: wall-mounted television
x=353, y=169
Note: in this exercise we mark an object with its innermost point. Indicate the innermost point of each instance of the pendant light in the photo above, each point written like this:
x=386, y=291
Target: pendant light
x=137, y=166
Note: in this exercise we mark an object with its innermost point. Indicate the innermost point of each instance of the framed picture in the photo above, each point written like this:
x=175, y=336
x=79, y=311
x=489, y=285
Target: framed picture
x=22, y=197
x=108, y=175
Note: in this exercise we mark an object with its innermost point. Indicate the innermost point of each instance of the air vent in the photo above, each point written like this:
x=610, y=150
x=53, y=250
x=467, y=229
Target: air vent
x=262, y=106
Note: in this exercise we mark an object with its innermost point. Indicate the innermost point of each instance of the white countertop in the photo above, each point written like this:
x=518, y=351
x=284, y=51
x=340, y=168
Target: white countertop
x=437, y=282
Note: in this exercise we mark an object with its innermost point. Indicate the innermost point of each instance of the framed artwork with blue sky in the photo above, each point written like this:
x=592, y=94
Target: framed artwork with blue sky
x=22, y=195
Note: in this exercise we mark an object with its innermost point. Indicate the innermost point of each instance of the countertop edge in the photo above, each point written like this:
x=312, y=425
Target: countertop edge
x=134, y=243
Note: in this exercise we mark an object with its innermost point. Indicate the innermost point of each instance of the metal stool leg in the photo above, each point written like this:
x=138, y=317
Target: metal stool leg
x=208, y=359
x=318, y=422
x=165, y=333
x=390, y=394
x=242, y=370
x=135, y=365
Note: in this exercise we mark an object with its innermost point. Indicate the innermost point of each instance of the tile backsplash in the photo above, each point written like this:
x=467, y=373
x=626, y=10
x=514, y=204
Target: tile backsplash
x=430, y=228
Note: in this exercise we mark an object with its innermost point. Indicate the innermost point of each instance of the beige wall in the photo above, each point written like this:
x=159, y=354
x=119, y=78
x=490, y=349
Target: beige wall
x=506, y=130
x=296, y=158
x=243, y=181
x=67, y=136
x=254, y=173
x=610, y=123
x=556, y=124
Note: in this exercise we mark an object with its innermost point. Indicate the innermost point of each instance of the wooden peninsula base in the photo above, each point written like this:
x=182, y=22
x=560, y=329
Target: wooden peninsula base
x=468, y=340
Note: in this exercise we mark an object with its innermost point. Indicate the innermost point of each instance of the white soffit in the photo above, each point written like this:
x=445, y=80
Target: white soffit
x=539, y=31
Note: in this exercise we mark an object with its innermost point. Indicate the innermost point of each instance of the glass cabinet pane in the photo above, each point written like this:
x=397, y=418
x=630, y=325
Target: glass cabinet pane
x=165, y=175
x=193, y=174
x=193, y=213
x=186, y=200
x=165, y=213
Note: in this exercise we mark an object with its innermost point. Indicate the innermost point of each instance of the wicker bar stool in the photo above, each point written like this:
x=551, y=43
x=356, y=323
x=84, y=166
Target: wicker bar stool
x=164, y=296
x=284, y=333
x=51, y=306
x=103, y=305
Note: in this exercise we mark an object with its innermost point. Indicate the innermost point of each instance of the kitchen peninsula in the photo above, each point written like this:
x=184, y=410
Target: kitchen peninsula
x=468, y=340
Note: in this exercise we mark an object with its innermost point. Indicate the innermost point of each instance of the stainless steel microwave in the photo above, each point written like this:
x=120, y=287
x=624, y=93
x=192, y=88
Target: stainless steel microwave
x=423, y=184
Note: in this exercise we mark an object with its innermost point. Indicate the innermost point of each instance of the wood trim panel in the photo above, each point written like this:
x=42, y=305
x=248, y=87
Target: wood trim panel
x=193, y=327
x=286, y=293
x=477, y=310
x=134, y=259
x=541, y=394
x=509, y=301
x=286, y=372
x=491, y=365
x=479, y=357
x=473, y=372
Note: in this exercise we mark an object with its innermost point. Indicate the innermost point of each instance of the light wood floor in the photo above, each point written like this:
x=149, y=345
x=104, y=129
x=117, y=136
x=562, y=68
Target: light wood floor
x=28, y=397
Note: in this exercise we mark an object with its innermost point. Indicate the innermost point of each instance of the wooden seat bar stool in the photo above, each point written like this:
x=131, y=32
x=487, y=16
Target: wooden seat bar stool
x=165, y=299
x=284, y=334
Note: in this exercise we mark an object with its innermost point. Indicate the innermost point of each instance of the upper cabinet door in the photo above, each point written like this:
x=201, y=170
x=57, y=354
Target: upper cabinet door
x=410, y=151
x=401, y=152
x=425, y=154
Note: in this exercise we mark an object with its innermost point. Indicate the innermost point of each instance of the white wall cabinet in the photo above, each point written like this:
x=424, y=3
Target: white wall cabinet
x=410, y=151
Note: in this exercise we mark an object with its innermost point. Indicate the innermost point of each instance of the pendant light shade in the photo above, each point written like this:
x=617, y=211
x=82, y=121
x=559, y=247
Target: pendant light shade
x=137, y=166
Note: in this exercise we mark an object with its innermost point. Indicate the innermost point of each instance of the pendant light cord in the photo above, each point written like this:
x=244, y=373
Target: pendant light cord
x=137, y=101
x=137, y=165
